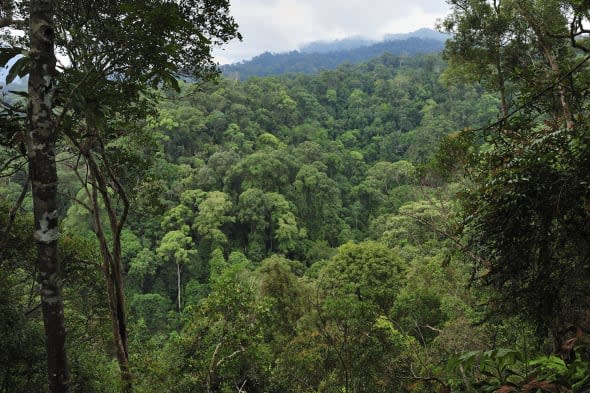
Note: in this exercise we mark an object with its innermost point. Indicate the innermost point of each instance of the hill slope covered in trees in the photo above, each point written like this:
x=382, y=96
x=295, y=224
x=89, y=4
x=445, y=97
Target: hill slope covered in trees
x=310, y=61
x=238, y=255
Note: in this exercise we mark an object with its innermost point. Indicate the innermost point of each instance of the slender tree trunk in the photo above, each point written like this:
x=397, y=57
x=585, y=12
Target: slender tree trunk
x=499, y=68
x=178, y=286
x=40, y=141
x=553, y=64
x=502, y=87
x=114, y=281
x=102, y=180
x=560, y=89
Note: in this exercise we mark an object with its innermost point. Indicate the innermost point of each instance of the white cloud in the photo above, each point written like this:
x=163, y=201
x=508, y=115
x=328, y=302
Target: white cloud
x=282, y=25
x=414, y=20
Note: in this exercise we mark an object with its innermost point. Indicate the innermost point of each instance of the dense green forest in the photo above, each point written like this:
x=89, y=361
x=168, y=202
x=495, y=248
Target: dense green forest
x=408, y=224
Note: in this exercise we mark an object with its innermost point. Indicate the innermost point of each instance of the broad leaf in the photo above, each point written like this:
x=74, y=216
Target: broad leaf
x=6, y=54
x=20, y=68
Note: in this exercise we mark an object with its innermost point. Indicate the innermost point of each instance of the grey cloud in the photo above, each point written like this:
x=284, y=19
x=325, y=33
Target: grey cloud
x=281, y=25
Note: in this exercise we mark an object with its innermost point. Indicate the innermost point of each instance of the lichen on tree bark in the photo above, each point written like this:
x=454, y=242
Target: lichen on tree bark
x=40, y=142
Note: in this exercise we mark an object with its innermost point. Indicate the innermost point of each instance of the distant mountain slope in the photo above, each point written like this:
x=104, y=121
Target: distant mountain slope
x=359, y=41
x=420, y=33
x=308, y=63
x=337, y=45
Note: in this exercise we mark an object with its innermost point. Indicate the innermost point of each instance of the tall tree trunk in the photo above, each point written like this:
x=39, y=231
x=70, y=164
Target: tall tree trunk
x=547, y=49
x=40, y=141
x=102, y=180
x=178, y=286
x=112, y=271
x=501, y=86
x=560, y=89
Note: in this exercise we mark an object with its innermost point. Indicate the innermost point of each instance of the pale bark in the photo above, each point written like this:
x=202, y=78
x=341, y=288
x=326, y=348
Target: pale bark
x=40, y=141
x=114, y=290
x=112, y=265
x=99, y=184
x=550, y=57
x=560, y=89
x=178, y=286
x=96, y=188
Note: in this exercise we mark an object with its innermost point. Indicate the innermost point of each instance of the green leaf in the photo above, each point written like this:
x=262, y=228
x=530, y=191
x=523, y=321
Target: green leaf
x=6, y=54
x=19, y=93
x=552, y=362
x=20, y=68
x=170, y=81
x=469, y=356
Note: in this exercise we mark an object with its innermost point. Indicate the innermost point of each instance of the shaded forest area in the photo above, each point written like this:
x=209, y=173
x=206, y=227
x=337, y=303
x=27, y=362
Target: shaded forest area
x=409, y=224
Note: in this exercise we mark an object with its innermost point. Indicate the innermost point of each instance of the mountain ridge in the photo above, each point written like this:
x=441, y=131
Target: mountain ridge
x=267, y=64
x=357, y=41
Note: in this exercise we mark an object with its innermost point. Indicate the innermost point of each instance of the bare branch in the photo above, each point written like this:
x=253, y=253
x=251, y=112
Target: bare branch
x=534, y=98
x=118, y=187
x=78, y=201
x=214, y=356
x=417, y=377
x=10, y=161
x=241, y=388
x=32, y=310
x=433, y=328
x=231, y=355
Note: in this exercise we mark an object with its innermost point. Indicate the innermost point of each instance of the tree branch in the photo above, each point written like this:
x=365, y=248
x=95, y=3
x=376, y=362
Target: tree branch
x=416, y=377
x=231, y=355
x=6, y=165
x=433, y=328
x=241, y=388
x=534, y=98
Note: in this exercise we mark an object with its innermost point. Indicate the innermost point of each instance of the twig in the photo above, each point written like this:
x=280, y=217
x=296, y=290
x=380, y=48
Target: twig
x=78, y=201
x=426, y=379
x=10, y=161
x=32, y=310
x=241, y=388
x=231, y=355
x=433, y=328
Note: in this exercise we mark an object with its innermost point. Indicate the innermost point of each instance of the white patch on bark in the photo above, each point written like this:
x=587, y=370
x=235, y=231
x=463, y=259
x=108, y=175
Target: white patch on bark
x=45, y=234
x=50, y=299
x=48, y=97
x=48, y=294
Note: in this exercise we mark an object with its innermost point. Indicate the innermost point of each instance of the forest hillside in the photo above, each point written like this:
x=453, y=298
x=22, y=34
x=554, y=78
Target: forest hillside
x=320, y=56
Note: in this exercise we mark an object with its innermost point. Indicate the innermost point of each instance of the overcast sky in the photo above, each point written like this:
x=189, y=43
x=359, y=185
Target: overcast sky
x=283, y=25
